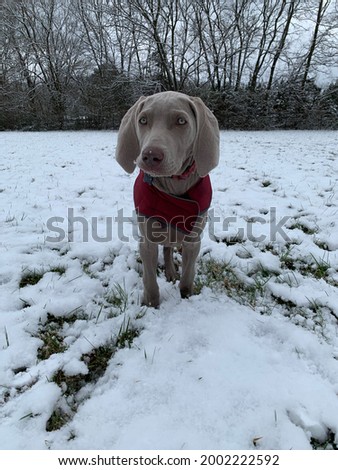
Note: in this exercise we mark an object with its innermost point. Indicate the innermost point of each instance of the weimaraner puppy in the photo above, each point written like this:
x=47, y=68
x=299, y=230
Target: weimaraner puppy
x=174, y=140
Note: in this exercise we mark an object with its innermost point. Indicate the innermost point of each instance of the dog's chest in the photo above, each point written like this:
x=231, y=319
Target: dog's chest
x=180, y=212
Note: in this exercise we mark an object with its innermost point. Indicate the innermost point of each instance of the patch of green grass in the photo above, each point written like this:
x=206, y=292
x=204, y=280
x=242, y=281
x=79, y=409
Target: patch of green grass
x=96, y=361
x=317, y=311
x=232, y=239
x=304, y=228
x=126, y=334
x=320, y=267
x=322, y=245
x=57, y=420
x=308, y=266
x=5, y=395
x=222, y=276
x=86, y=265
x=287, y=261
x=328, y=444
x=288, y=304
x=215, y=274
x=52, y=342
x=58, y=269
x=141, y=313
x=31, y=277
x=51, y=333
x=253, y=289
x=260, y=278
x=288, y=278
x=70, y=384
x=117, y=297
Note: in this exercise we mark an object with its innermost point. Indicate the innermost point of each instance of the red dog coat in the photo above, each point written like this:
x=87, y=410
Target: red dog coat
x=179, y=211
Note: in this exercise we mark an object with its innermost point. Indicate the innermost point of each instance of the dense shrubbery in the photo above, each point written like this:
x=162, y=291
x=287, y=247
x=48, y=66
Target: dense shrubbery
x=102, y=99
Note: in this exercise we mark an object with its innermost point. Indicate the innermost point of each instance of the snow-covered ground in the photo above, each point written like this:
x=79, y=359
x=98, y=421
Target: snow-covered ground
x=250, y=362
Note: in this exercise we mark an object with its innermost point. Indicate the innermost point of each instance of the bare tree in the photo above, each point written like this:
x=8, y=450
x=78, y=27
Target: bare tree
x=93, y=17
x=48, y=51
x=245, y=31
x=322, y=29
x=291, y=8
x=271, y=15
x=322, y=9
x=212, y=33
x=157, y=23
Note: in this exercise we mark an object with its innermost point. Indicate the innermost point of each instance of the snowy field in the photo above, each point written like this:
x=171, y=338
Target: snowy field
x=249, y=362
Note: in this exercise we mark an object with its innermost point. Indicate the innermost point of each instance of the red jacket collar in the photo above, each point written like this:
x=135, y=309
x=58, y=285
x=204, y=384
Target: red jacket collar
x=180, y=212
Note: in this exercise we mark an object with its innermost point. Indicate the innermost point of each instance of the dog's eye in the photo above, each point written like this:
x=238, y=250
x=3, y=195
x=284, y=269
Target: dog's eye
x=143, y=120
x=181, y=121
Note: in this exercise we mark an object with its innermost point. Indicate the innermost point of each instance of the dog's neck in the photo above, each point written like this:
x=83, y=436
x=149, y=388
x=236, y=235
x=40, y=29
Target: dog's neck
x=188, y=168
x=177, y=187
x=180, y=183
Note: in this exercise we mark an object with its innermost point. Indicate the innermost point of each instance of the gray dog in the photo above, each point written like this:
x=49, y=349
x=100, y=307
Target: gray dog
x=174, y=140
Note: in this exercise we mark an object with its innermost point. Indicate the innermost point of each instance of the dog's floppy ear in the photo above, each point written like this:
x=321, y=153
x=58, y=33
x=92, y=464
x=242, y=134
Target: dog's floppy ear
x=206, y=145
x=128, y=148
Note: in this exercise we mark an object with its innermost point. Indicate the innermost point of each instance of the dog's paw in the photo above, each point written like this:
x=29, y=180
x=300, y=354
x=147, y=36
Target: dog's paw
x=171, y=276
x=170, y=270
x=186, y=292
x=151, y=301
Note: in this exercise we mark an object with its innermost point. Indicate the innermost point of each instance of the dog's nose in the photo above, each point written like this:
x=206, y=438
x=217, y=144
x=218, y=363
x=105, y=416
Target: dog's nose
x=152, y=156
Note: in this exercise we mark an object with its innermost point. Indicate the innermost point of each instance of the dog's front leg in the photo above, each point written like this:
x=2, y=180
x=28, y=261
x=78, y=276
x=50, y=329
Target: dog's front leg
x=191, y=246
x=190, y=250
x=149, y=257
x=169, y=265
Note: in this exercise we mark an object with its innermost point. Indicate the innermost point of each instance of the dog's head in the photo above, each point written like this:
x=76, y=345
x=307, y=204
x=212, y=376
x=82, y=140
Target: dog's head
x=162, y=132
